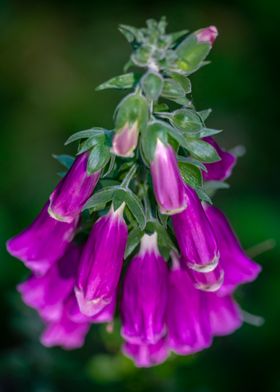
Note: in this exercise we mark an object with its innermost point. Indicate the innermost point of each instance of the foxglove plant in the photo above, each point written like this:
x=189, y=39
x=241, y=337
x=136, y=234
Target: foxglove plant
x=132, y=220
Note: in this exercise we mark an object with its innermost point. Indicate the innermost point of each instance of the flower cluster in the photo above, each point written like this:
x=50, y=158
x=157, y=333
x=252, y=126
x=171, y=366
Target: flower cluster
x=183, y=260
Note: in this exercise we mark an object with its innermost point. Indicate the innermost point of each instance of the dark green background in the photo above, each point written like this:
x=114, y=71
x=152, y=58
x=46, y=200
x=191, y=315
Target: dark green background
x=53, y=54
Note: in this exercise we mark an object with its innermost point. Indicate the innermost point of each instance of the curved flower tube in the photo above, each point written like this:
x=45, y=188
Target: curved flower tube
x=195, y=235
x=144, y=297
x=101, y=263
x=238, y=267
x=167, y=181
x=43, y=242
x=187, y=315
x=221, y=170
x=70, y=195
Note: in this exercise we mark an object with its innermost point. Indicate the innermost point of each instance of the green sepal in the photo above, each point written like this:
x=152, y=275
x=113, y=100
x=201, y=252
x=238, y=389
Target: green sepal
x=203, y=196
x=183, y=81
x=191, y=174
x=152, y=84
x=155, y=129
x=98, y=158
x=172, y=89
x=134, y=238
x=134, y=205
x=202, y=150
x=96, y=131
x=100, y=198
x=65, y=160
x=210, y=187
x=204, y=114
x=187, y=120
x=124, y=81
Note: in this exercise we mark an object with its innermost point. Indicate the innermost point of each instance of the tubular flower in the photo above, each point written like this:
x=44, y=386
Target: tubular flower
x=225, y=315
x=146, y=355
x=70, y=195
x=144, y=297
x=187, y=315
x=125, y=140
x=195, y=235
x=208, y=281
x=167, y=181
x=101, y=263
x=47, y=293
x=221, y=170
x=42, y=243
x=208, y=35
x=238, y=267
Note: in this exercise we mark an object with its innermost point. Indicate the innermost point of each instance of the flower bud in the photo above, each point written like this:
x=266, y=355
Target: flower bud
x=143, y=302
x=221, y=170
x=238, y=267
x=70, y=195
x=208, y=34
x=42, y=243
x=132, y=117
x=195, y=236
x=167, y=181
x=101, y=263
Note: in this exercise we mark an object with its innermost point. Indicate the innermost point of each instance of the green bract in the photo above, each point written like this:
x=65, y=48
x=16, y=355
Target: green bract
x=165, y=61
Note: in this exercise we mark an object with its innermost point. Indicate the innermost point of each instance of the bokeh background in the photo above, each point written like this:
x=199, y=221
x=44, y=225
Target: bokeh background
x=53, y=55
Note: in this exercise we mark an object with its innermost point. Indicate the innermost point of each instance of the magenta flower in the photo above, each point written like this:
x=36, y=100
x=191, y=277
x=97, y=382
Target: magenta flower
x=106, y=315
x=195, y=236
x=101, y=263
x=221, y=170
x=47, y=293
x=238, y=267
x=208, y=34
x=208, y=281
x=65, y=333
x=167, y=181
x=225, y=315
x=42, y=243
x=146, y=355
x=125, y=140
x=70, y=195
x=143, y=302
x=187, y=315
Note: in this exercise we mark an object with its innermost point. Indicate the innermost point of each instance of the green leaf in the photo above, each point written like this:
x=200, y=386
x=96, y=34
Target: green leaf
x=172, y=89
x=96, y=131
x=152, y=84
x=154, y=130
x=192, y=161
x=210, y=187
x=191, y=174
x=178, y=35
x=90, y=142
x=203, y=196
x=131, y=33
x=142, y=55
x=204, y=114
x=110, y=167
x=98, y=158
x=120, y=82
x=134, y=238
x=101, y=197
x=207, y=132
x=65, y=160
x=134, y=205
x=202, y=150
x=187, y=120
x=178, y=135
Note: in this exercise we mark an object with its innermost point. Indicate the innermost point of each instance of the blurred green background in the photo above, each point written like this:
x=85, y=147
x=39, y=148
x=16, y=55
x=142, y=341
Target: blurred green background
x=53, y=54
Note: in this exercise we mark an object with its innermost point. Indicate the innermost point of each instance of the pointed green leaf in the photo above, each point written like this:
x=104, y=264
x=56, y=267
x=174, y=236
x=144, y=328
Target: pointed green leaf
x=191, y=174
x=119, y=82
x=202, y=150
x=98, y=158
x=65, y=160
x=183, y=81
x=204, y=114
x=172, y=89
x=134, y=205
x=134, y=238
x=187, y=120
x=101, y=197
x=96, y=131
